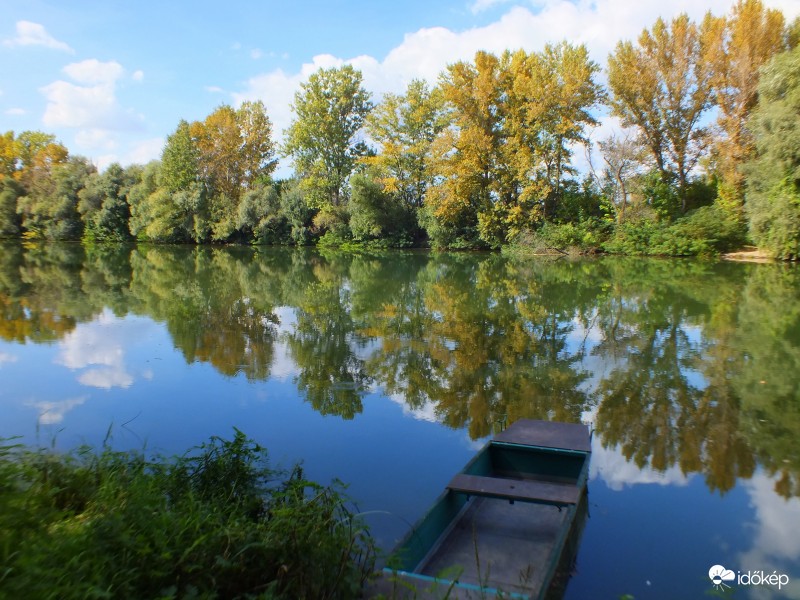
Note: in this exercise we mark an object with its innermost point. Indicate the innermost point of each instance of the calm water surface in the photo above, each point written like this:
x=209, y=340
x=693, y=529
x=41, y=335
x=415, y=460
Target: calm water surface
x=390, y=371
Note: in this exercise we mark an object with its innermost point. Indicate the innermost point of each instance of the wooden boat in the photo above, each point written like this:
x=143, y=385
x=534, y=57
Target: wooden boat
x=508, y=524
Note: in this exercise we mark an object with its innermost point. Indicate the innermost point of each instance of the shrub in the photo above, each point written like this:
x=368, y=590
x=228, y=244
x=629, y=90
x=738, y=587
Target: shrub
x=706, y=231
x=573, y=238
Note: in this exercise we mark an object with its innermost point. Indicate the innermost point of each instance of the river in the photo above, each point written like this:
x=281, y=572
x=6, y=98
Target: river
x=388, y=370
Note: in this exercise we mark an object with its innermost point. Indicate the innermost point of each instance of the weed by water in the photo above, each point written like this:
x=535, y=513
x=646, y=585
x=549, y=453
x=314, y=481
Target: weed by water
x=214, y=523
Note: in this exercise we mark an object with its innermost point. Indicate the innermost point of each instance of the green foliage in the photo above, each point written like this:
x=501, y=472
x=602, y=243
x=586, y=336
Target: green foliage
x=773, y=176
x=299, y=214
x=333, y=223
x=260, y=217
x=775, y=219
x=459, y=234
x=179, y=160
x=377, y=215
x=582, y=237
x=10, y=190
x=50, y=207
x=214, y=523
x=706, y=231
x=330, y=109
x=405, y=127
x=581, y=201
x=104, y=204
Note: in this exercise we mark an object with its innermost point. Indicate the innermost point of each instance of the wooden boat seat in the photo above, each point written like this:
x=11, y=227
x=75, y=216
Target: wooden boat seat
x=540, y=492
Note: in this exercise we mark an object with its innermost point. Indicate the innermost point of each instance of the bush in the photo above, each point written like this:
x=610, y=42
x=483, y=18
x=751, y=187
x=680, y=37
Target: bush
x=775, y=219
x=574, y=238
x=216, y=523
x=706, y=231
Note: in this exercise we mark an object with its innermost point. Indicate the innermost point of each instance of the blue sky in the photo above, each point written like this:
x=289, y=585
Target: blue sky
x=112, y=79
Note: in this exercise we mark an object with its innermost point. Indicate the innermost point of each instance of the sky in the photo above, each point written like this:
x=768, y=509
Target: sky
x=112, y=79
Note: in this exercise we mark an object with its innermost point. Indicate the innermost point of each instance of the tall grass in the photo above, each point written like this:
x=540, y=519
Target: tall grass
x=214, y=523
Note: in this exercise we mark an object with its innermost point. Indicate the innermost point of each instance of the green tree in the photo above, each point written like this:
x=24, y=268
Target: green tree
x=376, y=214
x=323, y=140
x=259, y=216
x=50, y=207
x=663, y=86
x=773, y=175
x=179, y=160
x=10, y=190
x=104, y=205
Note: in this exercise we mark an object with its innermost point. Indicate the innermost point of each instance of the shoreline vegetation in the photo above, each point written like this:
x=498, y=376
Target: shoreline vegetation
x=215, y=522
x=707, y=160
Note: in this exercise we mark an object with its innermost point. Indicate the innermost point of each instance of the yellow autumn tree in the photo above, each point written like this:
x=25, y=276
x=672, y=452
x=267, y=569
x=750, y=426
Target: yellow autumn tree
x=744, y=42
x=662, y=86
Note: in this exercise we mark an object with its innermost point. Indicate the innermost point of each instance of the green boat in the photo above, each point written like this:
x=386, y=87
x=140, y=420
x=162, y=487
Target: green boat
x=508, y=524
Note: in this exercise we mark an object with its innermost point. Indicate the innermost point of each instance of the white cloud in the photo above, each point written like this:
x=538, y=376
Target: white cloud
x=95, y=138
x=145, y=151
x=256, y=53
x=104, y=160
x=5, y=357
x=426, y=412
x=776, y=540
x=92, y=71
x=14, y=112
x=34, y=34
x=106, y=378
x=138, y=75
x=92, y=105
x=214, y=89
x=142, y=152
x=52, y=413
x=98, y=347
x=617, y=472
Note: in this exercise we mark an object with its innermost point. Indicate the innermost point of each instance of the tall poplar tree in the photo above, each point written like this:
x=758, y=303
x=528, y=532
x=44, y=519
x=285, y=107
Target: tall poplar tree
x=746, y=40
x=662, y=85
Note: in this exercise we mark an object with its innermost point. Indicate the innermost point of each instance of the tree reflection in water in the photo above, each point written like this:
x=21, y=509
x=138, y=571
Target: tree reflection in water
x=679, y=363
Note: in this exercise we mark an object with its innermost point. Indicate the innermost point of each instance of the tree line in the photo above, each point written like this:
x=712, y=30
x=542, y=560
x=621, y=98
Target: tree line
x=486, y=158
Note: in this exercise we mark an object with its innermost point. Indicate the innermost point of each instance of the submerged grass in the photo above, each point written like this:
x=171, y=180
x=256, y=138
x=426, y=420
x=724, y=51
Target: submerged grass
x=214, y=523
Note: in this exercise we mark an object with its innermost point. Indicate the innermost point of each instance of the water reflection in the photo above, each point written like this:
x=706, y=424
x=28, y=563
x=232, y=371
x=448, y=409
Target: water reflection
x=776, y=543
x=684, y=367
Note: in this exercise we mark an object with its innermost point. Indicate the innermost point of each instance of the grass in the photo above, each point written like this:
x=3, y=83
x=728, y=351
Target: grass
x=213, y=523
